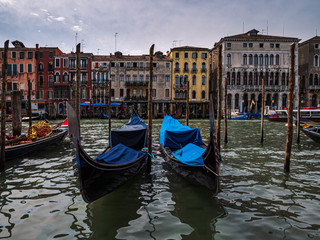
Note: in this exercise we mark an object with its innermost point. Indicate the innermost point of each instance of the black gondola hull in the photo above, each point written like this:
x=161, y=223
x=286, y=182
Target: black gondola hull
x=36, y=146
x=98, y=179
x=198, y=175
x=312, y=133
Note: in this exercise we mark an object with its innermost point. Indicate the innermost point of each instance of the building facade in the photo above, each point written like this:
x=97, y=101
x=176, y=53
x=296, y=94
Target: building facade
x=129, y=80
x=248, y=57
x=309, y=71
x=190, y=64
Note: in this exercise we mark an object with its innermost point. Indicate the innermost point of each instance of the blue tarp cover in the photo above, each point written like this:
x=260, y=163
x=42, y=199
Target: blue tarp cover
x=190, y=154
x=134, y=134
x=175, y=135
x=120, y=154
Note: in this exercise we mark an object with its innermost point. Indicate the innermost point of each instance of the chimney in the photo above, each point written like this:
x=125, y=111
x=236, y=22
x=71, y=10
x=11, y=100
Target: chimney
x=37, y=45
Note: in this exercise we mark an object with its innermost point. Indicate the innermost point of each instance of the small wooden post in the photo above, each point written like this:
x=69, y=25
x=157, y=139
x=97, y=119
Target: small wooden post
x=219, y=79
x=29, y=102
x=262, y=109
x=150, y=108
x=187, y=104
x=298, y=112
x=78, y=86
x=225, y=112
x=16, y=113
x=290, y=109
x=3, y=105
x=109, y=106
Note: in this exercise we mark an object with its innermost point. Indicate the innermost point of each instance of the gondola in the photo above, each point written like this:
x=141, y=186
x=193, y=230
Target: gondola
x=117, y=164
x=312, y=132
x=24, y=147
x=185, y=152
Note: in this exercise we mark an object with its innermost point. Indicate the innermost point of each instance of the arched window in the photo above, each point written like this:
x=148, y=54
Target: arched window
x=203, y=67
x=65, y=77
x=228, y=78
x=271, y=59
x=233, y=78
x=316, y=82
x=244, y=59
x=261, y=59
x=194, y=94
x=238, y=78
x=203, y=80
x=255, y=59
x=177, y=66
x=236, y=100
x=250, y=59
x=57, y=77
x=229, y=59
x=256, y=78
x=176, y=94
x=245, y=78
x=277, y=59
x=250, y=78
x=194, y=67
x=40, y=67
x=203, y=94
x=311, y=79
x=266, y=59
x=283, y=79
x=176, y=82
x=316, y=60
x=185, y=67
x=194, y=80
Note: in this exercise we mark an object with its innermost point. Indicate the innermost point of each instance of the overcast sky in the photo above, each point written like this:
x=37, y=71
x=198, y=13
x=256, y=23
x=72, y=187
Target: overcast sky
x=141, y=23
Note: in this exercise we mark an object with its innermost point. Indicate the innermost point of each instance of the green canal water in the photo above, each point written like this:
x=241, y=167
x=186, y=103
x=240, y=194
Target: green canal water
x=40, y=197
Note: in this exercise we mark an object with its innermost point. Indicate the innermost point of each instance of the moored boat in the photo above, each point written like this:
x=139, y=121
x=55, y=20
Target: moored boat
x=312, y=132
x=117, y=164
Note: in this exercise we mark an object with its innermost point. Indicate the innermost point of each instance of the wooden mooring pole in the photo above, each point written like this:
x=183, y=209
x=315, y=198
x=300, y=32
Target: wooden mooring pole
x=29, y=102
x=290, y=109
x=298, y=112
x=78, y=86
x=187, y=104
x=262, y=110
x=225, y=111
x=109, y=106
x=150, y=108
x=3, y=105
x=16, y=113
x=219, y=80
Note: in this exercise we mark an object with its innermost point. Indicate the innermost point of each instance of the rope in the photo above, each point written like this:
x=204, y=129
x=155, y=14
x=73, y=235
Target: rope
x=211, y=171
x=146, y=150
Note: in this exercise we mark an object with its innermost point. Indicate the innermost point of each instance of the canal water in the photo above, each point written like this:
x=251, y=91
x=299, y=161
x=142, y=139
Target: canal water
x=40, y=197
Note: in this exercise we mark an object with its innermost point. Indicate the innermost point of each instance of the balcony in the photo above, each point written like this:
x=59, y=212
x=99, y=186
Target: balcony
x=314, y=88
x=180, y=98
x=177, y=70
x=136, y=83
x=203, y=70
x=136, y=98
x=180, y=86
x=185, y=70
x=194, y=70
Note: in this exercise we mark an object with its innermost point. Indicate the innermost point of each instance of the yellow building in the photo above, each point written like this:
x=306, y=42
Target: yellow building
x=190, y=64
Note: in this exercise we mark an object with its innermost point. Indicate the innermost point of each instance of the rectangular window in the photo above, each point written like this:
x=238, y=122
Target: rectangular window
x=228, y=45
x=50, y=80
x=72, y=63
x=50, y=95
x=29, y=68
x=40, y=81
x=277, y=45
x=21, y=55
x=250, y=45
x=167, y=65
x=128, y=78
x=260, y=45
x=167, y=78
x=13, y=55
x=141, y=65
x=128, y=65
x=40, y=94
x=194, y=55
x=141, y=93
x=15, y=71
x=30, y=55
x=112, y=92
x=245, y=45
x=21, y=86
x=147, y=78
x=113, y=77
x=65, y=62
x=141, y=78
x=154, y=78
x=177, y=55
x=154, y=92
x=204, y=55
x=271, y=45
x=21, y=68
x=167, y=93
x=113, y=64
x=50, y=54
x=134, y=65
x=134, y=77
x=41, y=55
x=154, y=65
x=186, y=55
x=83, y=63
x=121, y=64
x=316, y=46
x=57, y=62
x=121, y=92
x=121, y=78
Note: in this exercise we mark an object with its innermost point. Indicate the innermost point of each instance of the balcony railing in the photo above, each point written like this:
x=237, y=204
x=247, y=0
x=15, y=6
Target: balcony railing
x=185, y=70
x=314, y=88
x=180, y=98
x=136, y=83
x=136, y=98
x=194, y=70
x=203, y=70
x=180, y=86
x=177, y=70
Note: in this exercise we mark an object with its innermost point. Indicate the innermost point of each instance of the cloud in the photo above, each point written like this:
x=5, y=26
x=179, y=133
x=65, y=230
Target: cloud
x=76, y=28
x=60, y=19
x=7, y=2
